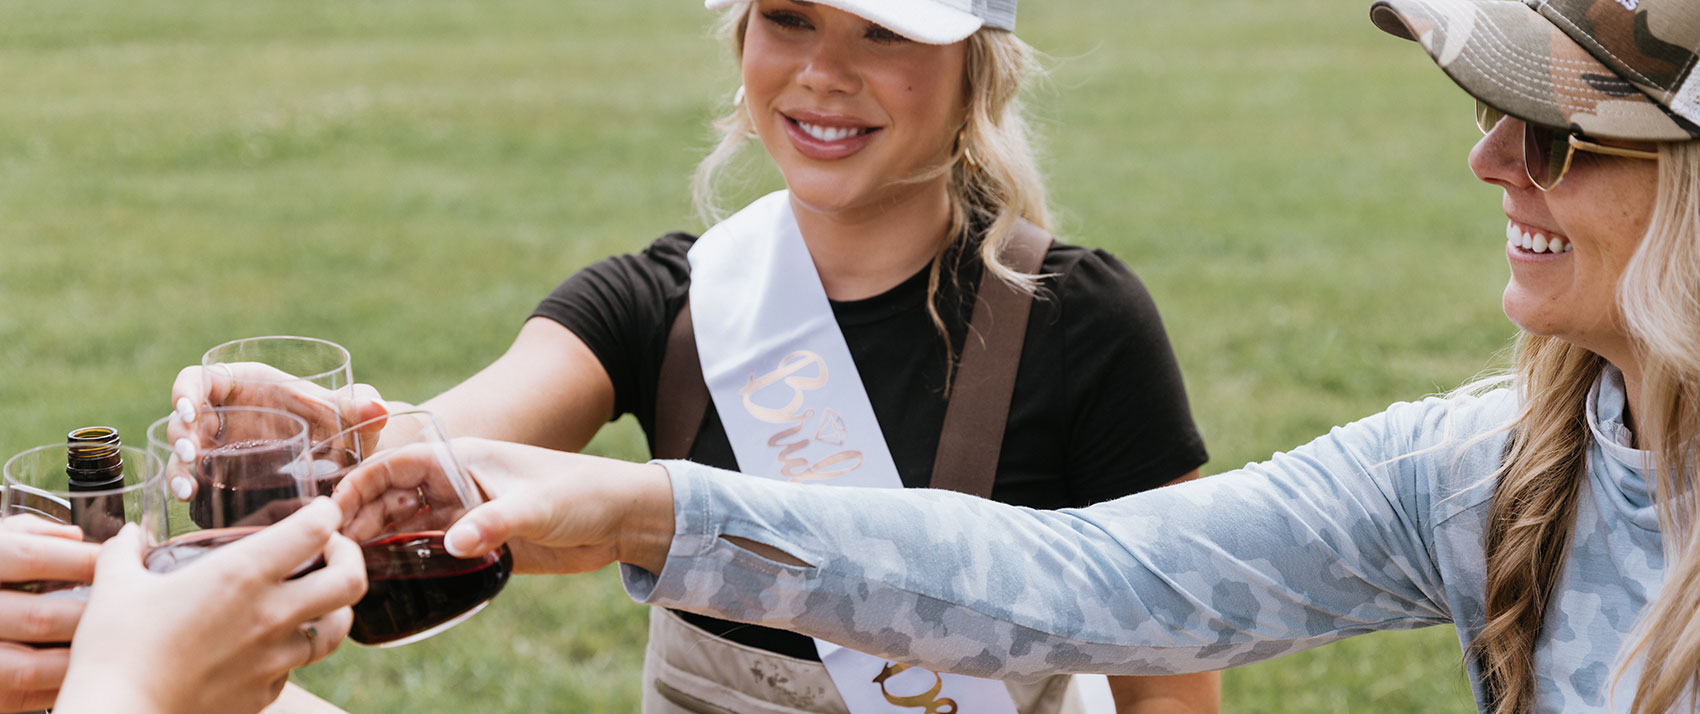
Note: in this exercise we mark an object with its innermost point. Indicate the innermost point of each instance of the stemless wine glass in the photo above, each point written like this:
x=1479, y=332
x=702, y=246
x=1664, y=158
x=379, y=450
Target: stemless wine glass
x=415, y=589
x=305, y=359
x=247, y=467
x=309, y=377
x=39, y=483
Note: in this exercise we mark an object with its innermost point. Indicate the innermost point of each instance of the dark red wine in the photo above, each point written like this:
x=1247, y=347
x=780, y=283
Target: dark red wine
x=246, y=483
x=414, y=585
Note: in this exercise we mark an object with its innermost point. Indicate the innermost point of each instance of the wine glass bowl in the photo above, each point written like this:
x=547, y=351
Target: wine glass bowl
x=43, y=482
x=308, y=377
x=415, y=588
x=233, y=471
x=308, y=359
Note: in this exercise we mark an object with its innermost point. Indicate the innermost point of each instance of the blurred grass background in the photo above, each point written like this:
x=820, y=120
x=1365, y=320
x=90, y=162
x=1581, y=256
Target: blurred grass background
x=408, y=178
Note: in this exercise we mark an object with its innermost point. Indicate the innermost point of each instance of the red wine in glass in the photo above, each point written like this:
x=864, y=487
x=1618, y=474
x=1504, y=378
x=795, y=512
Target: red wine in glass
x=245, y=482
x=414, y=587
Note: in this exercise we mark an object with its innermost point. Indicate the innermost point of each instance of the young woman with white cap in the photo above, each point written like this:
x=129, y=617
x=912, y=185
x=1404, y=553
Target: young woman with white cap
x=896, y=317
x=897, y=129
x=1550, y=516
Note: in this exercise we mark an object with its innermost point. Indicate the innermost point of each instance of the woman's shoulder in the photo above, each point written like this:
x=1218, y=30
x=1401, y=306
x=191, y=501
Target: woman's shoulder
x=671, y=251
x=676, y=243
x=1076, y=272
x=661, y=265
x=1063, y=257
x=1089, y=289
x=1458, y=416
x=621, y=288
x=1450, y=445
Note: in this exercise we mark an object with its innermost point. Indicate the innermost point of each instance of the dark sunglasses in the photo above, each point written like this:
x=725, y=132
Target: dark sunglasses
x=1547, y=151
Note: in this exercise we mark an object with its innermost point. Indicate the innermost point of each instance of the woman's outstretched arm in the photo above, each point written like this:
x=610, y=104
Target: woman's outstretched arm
x=1329, y=541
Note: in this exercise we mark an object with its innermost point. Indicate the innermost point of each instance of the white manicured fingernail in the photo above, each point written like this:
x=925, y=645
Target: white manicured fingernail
x=185, y=410
x=185, y=450
x=182, y=488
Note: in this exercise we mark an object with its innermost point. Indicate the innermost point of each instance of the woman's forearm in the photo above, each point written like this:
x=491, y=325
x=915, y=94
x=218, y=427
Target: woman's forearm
x=647, y=524
x=1156, y=583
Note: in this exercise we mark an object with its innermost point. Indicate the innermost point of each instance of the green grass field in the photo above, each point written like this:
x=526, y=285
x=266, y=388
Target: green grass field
x=409, y=177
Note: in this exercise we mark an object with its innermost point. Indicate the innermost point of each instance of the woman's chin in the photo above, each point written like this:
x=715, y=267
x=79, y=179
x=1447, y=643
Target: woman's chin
x=1534, y=314
x=1515, y=303
x=825, y=193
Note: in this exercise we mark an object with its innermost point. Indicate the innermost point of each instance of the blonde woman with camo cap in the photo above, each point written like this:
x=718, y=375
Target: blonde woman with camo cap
x=1551, y=518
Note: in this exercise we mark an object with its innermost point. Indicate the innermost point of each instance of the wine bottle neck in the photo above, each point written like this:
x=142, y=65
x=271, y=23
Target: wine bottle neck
x=94, y=462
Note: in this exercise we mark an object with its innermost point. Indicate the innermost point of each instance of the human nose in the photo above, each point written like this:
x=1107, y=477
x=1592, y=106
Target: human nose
x=1498, y=157
x=828, y=69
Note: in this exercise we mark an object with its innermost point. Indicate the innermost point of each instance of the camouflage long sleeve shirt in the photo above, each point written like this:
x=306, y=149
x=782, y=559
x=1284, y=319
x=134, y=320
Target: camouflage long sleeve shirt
x=1375, y=526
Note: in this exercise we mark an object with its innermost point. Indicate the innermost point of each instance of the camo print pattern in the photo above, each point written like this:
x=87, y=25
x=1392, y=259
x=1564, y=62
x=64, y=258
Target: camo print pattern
x=1376, y=526
x=1624, y=80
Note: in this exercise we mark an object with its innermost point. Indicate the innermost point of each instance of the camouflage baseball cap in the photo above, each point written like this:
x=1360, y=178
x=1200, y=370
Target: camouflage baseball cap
x=933, y=22
x=1611, y=69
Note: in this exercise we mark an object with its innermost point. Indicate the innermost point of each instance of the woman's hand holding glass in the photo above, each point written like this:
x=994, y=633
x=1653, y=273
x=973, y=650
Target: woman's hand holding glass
x=418, y=588
x=309, y=378
x=38, y=550
x=56, y=502
x=558, y=512
x=220, y=634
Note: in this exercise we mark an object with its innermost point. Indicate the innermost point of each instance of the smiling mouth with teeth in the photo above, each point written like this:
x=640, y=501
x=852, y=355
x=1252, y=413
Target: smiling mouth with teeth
x=830, y=133
x=1535, y=242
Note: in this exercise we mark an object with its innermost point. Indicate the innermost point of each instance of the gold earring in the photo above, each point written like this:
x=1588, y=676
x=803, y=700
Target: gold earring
x=968, y=157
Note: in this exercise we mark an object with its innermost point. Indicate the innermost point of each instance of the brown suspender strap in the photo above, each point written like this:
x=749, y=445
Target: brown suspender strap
x=972, y=437
x=681, y=395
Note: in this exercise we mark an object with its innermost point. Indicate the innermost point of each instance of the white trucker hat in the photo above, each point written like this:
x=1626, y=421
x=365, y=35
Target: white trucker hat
x=934, y=22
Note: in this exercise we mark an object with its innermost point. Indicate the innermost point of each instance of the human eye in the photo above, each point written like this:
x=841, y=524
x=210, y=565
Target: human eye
x=787, y=20
x=880, y=34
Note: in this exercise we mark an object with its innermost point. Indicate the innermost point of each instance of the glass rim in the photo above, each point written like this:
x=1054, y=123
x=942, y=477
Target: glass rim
x=156, y=470
x=347, y=361
x=155, y=433
x=469, y=493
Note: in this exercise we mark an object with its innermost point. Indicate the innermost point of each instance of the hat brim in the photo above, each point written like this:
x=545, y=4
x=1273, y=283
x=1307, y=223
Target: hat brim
x=923, y=21
x=1511, y=57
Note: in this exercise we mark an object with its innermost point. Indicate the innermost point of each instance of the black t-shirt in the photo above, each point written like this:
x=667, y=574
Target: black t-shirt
x=1098, y=412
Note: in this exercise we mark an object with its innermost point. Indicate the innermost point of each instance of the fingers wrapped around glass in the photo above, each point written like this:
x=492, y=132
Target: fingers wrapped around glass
x=228, y=474
x=90, y=486
x=415, y=588
x=307, y=377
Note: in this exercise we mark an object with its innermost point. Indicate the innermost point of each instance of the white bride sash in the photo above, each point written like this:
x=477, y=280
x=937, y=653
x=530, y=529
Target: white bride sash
x=794, y=408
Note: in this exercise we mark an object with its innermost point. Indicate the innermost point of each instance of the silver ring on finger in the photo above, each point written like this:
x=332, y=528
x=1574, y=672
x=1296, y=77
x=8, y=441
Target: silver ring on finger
x=229, y=383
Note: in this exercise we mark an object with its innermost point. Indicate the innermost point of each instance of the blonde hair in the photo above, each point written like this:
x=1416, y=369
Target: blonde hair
x=993, y=175
x=1660, y=298
x=1540, y=479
